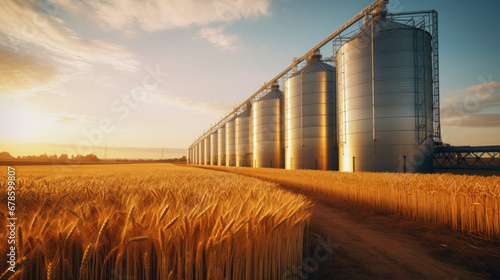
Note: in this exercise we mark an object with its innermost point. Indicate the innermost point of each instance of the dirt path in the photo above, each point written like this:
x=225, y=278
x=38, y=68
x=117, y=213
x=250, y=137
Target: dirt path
x=352, y=243
x=365, y=253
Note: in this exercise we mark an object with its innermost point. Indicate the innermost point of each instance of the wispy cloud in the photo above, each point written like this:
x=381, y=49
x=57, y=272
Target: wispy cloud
x=475, y=106
x=25, y=25
x=49, y=48
x=483, y=90
x=156, y=15
x=474, y=120
x=39, y=49
x=218, y=38
x=66, y=118
x=128, y=16
x=23, y=72
x=187, y=103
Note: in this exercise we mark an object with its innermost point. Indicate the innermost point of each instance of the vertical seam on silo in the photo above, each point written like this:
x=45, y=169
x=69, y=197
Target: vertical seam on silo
x=301, y=121
x=424, y=79
x=344, y=108
x=415, y=84
x=373, y=84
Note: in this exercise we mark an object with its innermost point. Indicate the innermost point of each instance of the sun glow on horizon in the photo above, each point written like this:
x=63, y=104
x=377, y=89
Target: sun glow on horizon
x=23, y=124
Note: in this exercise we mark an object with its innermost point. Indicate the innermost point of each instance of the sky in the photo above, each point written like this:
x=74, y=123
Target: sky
x=77, y=76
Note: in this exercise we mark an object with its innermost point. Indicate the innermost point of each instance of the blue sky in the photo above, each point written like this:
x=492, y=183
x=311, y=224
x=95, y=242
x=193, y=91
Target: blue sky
x=70, y=65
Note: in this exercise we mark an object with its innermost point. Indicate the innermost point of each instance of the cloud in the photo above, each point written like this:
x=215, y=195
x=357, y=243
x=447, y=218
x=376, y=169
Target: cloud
x=482, y=91
x=61, y=120
x=184, y=102
x=22, y=72
x=475, y=106
x=45, y=44
x=156, y=15
x=29, y=26
x=486, y=87
x=218, y=38
x=474, y=120
x=66, y=118
x=127, y=16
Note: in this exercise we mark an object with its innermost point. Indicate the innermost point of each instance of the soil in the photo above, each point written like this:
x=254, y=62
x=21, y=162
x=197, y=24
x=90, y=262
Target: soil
x=374, y=248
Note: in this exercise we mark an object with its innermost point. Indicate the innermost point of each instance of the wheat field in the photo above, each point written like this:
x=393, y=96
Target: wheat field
x=461, y=202
x=152, y=221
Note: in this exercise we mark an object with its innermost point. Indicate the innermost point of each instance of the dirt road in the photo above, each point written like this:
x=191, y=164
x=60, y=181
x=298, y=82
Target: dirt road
x=367, y=252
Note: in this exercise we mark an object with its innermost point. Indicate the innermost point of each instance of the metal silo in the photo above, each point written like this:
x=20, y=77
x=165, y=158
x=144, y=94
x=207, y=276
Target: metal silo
x=221, y=136
x=201, y=152
x=242, y=129
x=230, y=143
x=214, y=145
x=193, y=151
x=385, y=99
x=268, y=129
x=310, y=126
x=206, y=144
x=196, y=154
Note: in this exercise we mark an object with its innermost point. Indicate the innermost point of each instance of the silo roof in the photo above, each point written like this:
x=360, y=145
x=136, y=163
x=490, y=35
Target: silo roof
x=315, y=66
x=246, y=113
x=275, y=93
x=383, y=25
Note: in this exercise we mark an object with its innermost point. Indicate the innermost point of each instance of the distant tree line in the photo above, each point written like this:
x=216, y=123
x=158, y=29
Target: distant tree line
x=170, y=160
x=64, y=158
x=51, y=158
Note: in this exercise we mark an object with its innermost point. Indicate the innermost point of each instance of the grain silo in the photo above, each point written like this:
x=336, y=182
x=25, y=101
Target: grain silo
x=221, y=136
x=197, y=153
x=385, y=98
x=243, y=145
x=310, y=126
x=267, y=123
x=193, y=151
x=201, y=152
x=191, y=155
x=206, y=144
x=230, y=143
x=188, y=155
x=214, y=145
